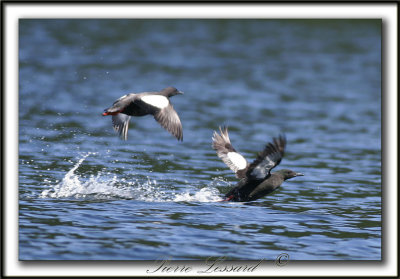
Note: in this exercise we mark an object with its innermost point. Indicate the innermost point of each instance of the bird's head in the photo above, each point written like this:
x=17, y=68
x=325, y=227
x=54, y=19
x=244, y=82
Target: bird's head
x=171, y=91
x=289, y=173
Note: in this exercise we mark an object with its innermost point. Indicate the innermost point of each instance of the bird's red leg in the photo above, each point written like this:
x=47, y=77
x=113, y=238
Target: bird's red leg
x=228, y=198
x=112, y=113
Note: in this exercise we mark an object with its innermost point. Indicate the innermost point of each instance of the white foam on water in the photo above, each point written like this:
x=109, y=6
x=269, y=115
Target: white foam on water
x=207, y=194
x=97, y=186
x=107, y=186
x=149, y=191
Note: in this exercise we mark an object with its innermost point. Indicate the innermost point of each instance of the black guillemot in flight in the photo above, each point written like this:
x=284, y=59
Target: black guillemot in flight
x=140, y=104
x=256, y=179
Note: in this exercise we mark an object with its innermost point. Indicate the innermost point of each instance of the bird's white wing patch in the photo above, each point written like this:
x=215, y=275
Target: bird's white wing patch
x=157, y=101
x=237, y=160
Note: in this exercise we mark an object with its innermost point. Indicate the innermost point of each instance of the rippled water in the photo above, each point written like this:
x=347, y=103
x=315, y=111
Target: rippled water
x=86, y=195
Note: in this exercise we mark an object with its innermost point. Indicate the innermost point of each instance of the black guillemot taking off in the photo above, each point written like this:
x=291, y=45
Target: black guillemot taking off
x=140, y=104
x=256, y=179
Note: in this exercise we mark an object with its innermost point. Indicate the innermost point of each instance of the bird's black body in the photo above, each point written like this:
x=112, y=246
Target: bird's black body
x=256, y=179
x=146, y=103
x=135, y=109
x=250, y=190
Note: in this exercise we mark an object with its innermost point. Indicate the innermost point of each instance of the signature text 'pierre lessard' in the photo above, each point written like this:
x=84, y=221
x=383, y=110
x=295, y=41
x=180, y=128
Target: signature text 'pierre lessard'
x=217, y=265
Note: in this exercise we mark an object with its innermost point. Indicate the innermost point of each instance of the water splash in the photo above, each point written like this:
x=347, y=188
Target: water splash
x=207, y=194
x=106, y=186
x=97, y=186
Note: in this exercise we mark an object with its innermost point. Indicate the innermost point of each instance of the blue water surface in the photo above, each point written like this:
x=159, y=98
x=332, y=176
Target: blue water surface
x=84, y=194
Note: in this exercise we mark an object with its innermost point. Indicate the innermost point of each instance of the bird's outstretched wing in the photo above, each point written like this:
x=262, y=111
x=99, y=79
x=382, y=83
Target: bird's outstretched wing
x=121, y=124
x=267, y=159
x=233, y=159
x=169, y=120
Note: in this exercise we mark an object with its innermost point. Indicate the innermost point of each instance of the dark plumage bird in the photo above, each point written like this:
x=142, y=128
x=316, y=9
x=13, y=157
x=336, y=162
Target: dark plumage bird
x=256, y=179
x=140, y=104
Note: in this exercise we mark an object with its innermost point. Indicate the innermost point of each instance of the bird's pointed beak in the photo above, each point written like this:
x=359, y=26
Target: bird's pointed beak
x=299, y=174
x=180, y=92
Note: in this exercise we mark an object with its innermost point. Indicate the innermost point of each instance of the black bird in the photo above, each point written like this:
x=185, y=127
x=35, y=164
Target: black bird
x=256, y=179
x=140, y=104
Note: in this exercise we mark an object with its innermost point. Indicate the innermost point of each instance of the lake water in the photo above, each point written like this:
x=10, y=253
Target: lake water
x=84, y=194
